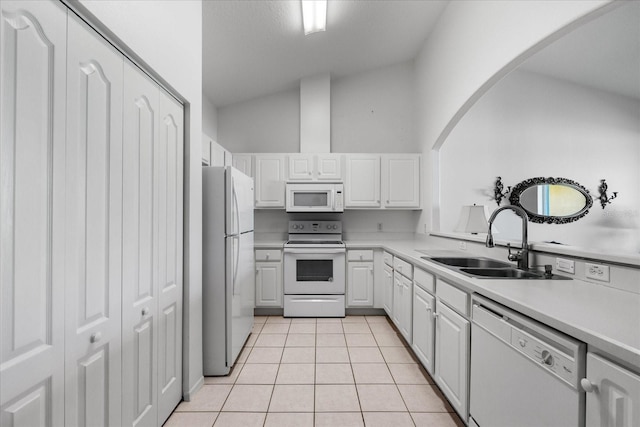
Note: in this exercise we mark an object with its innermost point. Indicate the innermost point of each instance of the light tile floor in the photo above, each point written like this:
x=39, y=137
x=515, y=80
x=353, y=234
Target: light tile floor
x=307, y=372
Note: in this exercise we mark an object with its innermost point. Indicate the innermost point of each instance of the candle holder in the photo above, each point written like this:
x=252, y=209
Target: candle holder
x=604, y=198
x=498, y=191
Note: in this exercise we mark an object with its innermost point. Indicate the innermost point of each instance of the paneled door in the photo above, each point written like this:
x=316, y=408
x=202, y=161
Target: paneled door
x=139, y=292
x=32, y=212
x=168, y=267
x=93, y=229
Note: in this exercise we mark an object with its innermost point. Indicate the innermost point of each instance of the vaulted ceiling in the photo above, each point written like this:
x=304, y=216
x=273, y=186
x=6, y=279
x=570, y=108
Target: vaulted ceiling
x=254, y=48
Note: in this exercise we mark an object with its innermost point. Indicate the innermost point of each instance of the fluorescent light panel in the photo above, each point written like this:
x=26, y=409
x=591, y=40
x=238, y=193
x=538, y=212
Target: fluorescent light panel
x=314, y=16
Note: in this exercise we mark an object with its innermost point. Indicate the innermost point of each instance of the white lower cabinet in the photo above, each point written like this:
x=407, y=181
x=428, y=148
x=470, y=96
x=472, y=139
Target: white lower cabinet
x=387, y=283
x=402, y=311
x=613, y=394
x=423, y=327
x=360, y=284
x=269, y=290
x=360, y=278
x=452, y=357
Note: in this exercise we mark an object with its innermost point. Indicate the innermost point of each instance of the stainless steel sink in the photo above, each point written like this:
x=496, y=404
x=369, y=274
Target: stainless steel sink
x=487, y=268
x=507, y=273
x=470, y=262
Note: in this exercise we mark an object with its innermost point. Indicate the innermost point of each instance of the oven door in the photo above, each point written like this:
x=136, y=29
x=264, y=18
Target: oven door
x=317, y=271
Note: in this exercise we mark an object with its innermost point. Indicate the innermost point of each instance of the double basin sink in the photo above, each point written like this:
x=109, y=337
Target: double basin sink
x=487, y=268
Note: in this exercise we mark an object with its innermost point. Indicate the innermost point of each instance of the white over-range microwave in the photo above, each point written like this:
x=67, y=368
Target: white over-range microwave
x=315, y=197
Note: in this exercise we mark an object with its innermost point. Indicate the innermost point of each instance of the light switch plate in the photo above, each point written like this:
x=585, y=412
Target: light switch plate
x=566, y=265
x=597, y=272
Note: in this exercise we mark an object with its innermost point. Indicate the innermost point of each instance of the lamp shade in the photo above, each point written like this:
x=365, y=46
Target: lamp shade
x=473, y=219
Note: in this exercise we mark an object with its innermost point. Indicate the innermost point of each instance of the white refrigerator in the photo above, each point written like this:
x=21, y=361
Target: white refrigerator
x=228, y=266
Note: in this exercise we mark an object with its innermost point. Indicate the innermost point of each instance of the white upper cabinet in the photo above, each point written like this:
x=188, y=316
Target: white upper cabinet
x=362, y=183
x=32, y=212
x=329, y=167
x=301, y=167
x=311, y=167
x=244, y=163
x=401, y=180
x=269, y=176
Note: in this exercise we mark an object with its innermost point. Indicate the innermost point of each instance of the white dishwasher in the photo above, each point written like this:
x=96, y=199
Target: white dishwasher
x=523, y=373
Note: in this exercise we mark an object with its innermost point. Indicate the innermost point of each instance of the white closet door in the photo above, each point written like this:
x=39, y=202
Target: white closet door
x=168, y=195
x=139, y=292
x=93, y=229
x=32, y=210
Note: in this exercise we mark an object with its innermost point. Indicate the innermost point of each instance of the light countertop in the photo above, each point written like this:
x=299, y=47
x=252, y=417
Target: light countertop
x=605, y=318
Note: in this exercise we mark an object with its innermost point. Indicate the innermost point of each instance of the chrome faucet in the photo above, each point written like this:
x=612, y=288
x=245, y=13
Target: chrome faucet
x=523, y=256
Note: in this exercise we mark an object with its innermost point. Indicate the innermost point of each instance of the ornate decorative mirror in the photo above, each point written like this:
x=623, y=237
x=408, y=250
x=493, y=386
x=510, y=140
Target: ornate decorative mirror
x=552, y=200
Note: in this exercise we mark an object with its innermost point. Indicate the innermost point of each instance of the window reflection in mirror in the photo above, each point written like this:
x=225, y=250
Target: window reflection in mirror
x=553, y=200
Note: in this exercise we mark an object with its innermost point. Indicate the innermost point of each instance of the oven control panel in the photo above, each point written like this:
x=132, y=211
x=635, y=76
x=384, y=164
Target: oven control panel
x=315, y=227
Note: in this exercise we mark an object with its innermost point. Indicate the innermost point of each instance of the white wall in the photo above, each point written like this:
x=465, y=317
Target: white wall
x=530, y=125
x=209, y=118
x=373, y=112
x=370, y=112
x=472, y=46
x=143, y=28
x=269, y=124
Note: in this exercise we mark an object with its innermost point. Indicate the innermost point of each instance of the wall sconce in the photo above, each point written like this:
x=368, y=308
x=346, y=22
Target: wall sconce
x=473, y=219
x=604, y=199
x=498, y=191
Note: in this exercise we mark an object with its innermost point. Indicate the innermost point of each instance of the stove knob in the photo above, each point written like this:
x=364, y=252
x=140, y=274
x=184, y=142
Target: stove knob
x=301, y=226
x=295, y=226
x=335, y=227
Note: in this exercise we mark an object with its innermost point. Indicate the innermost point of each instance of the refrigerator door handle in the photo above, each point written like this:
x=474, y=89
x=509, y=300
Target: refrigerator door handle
x=236, y=210
x=236, y=260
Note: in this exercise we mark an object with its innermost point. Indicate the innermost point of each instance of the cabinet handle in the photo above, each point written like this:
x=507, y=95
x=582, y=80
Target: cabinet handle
x=387, y=202
x=360, y=257
x=145, y=311
x=436, y=315
x=319, y=172
x=428, y=309
x=309, y=173
x=95, y=337
x=588, y=386
x=268, y=256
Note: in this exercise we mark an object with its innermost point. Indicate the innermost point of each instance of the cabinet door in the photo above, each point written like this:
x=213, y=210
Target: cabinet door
x=388, y=290
x=422, y=334
x=32, y=212
x=397, y=298
x=362, y=184
x=615, y=401
x=94, y=229
x=329, y=167
x=244, y=163
x=360, y=284
x=300, y=167
x=452, y=357
x=405, y=317
x=168, y=158
x=139, y=292
x=401, y=180
x=269, y=185
x=268, y=284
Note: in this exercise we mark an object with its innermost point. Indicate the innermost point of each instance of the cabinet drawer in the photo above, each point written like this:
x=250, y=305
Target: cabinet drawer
x=360, y=255
x=424, y=280
x=387, y=258
x=453, y=296
x=403, y=267
x=268, y=255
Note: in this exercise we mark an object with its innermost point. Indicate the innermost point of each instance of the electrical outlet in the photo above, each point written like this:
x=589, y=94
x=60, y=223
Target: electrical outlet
x=566, y=265
x=597, y=272
x=379, y=226
x=463, y=246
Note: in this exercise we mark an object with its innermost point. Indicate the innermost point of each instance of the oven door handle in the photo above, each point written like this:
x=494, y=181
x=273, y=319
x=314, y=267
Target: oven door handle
x=318, y=251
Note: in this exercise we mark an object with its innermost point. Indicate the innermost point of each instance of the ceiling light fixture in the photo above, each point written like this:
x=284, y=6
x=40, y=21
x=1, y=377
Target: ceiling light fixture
x=314, y=16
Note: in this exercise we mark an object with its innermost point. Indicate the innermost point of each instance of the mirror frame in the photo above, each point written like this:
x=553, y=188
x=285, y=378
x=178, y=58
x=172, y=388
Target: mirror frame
x=519, y=188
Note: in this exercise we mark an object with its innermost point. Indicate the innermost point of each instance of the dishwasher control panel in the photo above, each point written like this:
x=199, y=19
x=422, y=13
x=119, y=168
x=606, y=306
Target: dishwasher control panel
x=548, y=357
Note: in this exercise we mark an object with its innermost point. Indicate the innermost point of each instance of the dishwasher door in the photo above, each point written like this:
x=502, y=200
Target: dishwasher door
x=511, y=389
